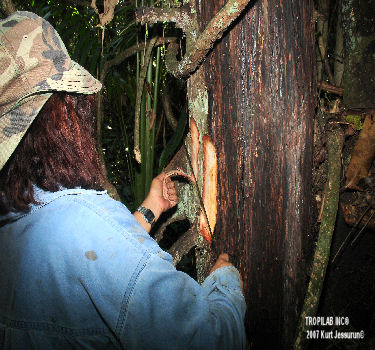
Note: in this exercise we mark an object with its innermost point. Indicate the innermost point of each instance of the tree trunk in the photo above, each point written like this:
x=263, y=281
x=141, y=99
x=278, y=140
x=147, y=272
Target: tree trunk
x=259, y=79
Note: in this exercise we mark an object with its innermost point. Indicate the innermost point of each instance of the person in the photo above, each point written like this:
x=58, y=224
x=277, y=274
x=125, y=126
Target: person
x=77, y=269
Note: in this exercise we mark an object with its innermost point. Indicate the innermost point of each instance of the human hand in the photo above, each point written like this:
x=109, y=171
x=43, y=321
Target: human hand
x=162, y=195
x=223, y=260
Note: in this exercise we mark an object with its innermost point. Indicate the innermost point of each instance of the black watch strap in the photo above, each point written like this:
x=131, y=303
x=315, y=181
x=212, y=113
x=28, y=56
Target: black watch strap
x=147, y=214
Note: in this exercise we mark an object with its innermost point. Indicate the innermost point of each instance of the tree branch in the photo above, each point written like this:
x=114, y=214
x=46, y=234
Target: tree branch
x=200, y=48
x=109, y=11
x=181, y=16
x=122, y=56
x=184, y=244
x=331, y=88
x=178, y=216
x=168, y=111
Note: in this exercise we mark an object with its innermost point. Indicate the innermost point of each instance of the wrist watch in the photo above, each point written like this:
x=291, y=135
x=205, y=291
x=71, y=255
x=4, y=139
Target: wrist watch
x=147, y=214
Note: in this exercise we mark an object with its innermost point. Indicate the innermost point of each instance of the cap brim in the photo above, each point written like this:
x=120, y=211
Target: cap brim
x=15, y=123
x=76, y=79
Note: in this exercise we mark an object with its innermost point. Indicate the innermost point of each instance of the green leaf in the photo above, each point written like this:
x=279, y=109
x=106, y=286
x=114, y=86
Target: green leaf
x=95, y=60
x=83, y=38
x=85, y=51
x=355, y=120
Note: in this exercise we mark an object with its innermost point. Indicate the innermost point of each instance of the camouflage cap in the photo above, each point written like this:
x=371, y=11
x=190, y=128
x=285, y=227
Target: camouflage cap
x=33, y=64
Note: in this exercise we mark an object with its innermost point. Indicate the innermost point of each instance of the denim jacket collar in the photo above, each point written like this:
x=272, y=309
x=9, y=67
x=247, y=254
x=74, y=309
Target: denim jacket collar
x=43, y=198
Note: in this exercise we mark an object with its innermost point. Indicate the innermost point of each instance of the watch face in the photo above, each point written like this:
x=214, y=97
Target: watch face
x=147, y=213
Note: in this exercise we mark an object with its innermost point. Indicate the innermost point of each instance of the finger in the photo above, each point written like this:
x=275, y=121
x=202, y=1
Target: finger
x=172, y=198
x=167, y=179
x=171, y=191
x=170, y=184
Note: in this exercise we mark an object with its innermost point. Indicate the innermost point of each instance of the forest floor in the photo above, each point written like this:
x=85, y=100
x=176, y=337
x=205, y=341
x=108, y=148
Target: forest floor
x=349, y=286
x=349, y=290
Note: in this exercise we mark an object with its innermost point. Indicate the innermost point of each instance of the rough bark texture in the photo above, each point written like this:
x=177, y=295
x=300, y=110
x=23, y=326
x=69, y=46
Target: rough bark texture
x=260, y=113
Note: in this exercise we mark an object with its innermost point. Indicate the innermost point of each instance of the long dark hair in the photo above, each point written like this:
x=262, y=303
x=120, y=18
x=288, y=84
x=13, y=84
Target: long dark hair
x=58, y=150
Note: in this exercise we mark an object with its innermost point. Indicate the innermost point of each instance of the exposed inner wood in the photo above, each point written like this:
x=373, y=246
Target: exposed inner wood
x=209, y=195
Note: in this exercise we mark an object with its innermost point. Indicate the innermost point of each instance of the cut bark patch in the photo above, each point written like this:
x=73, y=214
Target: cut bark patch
x=209, y=194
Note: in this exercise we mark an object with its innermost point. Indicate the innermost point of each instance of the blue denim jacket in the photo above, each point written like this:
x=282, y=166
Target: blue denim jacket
x=78, y=271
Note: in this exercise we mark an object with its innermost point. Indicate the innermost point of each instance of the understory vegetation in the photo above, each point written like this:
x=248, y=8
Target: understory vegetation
x=142, y=121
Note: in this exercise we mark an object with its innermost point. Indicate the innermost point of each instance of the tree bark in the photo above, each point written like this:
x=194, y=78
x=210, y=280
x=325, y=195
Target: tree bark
x=259, y=79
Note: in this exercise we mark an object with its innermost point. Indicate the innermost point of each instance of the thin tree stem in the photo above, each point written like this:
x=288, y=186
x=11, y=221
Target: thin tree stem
x=323, y=248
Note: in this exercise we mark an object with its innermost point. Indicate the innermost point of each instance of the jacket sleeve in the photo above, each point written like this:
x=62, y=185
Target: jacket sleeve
x=167, y=309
